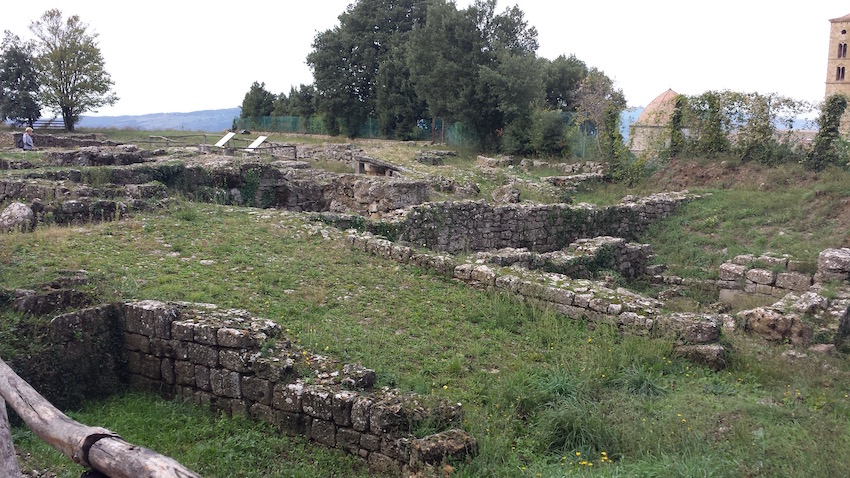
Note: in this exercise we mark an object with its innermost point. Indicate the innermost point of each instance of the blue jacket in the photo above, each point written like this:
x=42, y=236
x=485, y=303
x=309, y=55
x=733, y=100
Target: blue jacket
x=28, y=142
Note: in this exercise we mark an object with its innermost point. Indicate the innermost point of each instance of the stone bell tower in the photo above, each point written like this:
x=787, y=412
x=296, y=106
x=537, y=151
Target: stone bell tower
x=837, y=64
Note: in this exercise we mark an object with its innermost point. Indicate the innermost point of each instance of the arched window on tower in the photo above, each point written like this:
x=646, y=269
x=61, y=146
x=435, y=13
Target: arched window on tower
x=839, y=73
x=842, y=50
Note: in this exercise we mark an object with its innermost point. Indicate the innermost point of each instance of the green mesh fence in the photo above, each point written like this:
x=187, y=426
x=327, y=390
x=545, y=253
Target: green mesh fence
x=452, y=134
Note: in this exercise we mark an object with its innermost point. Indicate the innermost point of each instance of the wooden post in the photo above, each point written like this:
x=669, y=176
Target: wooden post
x=92, y=447
x=8, y=460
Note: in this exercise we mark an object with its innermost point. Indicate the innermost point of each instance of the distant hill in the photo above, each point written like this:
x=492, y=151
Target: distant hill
x=207, y=120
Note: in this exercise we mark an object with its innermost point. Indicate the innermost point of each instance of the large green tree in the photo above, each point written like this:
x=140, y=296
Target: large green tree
x=476, y=66
x=71, y=67
x=597, y=97
x=258, y=101
x=563, y=76
x=18, y=82
x=346, y=59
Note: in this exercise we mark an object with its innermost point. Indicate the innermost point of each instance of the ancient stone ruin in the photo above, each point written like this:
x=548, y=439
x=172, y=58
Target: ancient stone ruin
x=564, y=256
x=235, y=363
x=808, y=306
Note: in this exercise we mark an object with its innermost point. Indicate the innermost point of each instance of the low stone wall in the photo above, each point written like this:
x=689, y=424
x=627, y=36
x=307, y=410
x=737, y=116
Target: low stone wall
x=96, y=156
x=769, y=275
x=243, y=365
x=65, y=140
x=477, y=226
x=581, y=259
x=763, y=275
x=587, y=167
x=805, y=313
x=234, y=363
x=697, y=335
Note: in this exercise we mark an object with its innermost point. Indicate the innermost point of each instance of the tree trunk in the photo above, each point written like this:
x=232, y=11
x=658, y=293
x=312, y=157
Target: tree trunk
x=433, y=129
x=91, y=447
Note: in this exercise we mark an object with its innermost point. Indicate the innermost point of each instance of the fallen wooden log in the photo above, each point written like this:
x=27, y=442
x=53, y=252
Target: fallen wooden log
x=92, y=447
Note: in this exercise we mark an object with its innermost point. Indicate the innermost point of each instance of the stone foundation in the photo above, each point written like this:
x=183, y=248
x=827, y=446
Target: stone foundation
x=575, y=298
x=469, y=226
x=234, y=363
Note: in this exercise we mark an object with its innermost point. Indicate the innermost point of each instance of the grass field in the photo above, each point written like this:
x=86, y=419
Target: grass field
x=544, y=394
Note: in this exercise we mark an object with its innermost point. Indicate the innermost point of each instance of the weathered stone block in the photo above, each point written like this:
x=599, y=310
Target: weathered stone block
x=761, y=276
x=348, y=439
x=317, y=402
x=184, y=331
x=262, y=412
x=169, y=348
x=287, y=397
x=765, y=289
x=202, y=378
x=294, y=423
x=137, y=343
x=342, y=404
x=774, y=325
x=582, y=301
x=236, y=360
x=236, y=338
x=370, y=442
x=729, y=285
x=360, y=411
x=202, y=355
x=484, y=275
x=184, y=373
x=732, y=272
x=710, y=355
x=386, y=417
x=226, y=383
x=397, y=448
x=450, y=445
x=206, y=334
x=691, y=328
x=324, y=432
x=143, y=364
x=276, y=369
x=167, y=371
x=834, y=261
x=257, y=389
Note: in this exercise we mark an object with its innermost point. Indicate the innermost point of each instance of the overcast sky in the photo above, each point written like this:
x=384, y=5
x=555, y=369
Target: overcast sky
x=182, y=56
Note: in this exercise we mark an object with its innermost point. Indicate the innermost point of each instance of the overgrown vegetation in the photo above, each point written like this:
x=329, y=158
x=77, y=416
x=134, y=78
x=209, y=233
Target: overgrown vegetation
x=544, y=394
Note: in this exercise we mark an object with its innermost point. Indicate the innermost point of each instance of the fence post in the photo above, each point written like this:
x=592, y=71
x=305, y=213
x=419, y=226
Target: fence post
x=92, y=447
x=8, y=460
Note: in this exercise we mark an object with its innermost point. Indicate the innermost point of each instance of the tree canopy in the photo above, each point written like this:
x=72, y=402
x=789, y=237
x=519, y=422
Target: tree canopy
x=397, y=62
x=18, y=81
x=70, y=67
x=258, y=102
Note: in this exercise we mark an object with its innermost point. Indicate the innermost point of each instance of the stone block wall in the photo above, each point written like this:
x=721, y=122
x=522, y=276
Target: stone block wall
x=763, y=275
x=234, y=363
x=581, y=259
x=697, y=335
x=49, y=140
x=238, y=364
x=770, y=275
x=477, y=226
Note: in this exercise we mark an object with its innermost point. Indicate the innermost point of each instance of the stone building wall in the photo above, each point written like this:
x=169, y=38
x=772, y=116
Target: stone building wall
x=239, y=364
x=234, y=363
x=762, y=275
x=697, y=335
x=477, y=226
